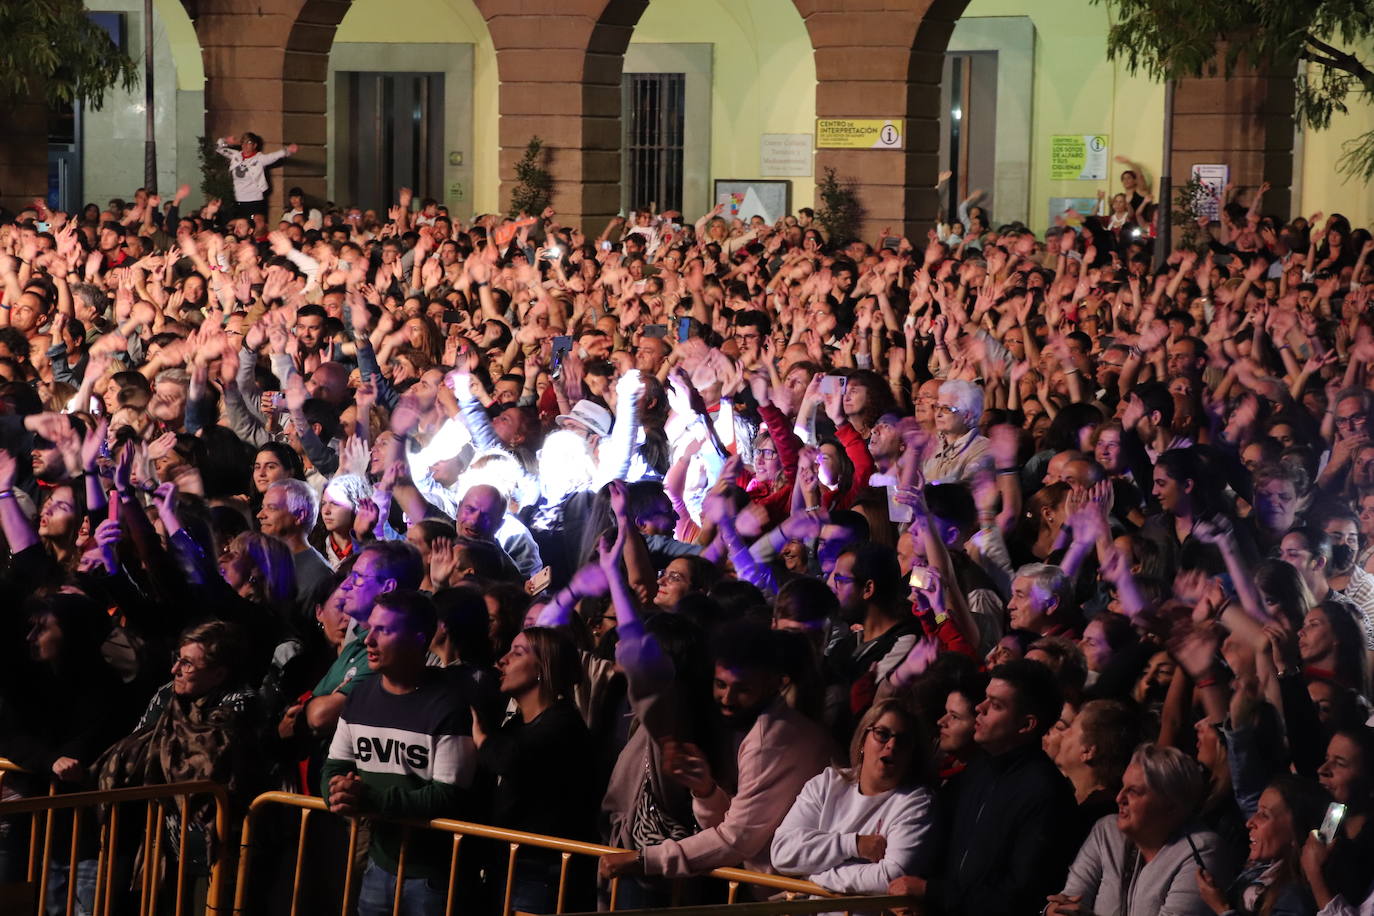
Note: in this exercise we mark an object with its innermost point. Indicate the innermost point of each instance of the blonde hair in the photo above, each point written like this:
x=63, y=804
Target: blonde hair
x=917, y=770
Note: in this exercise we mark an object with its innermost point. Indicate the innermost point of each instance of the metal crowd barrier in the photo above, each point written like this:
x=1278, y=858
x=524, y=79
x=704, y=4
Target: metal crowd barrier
x=151, y=880
x=308, y=805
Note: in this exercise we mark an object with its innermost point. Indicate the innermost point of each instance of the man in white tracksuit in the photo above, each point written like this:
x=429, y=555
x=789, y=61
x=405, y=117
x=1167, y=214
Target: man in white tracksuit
x=248, y=169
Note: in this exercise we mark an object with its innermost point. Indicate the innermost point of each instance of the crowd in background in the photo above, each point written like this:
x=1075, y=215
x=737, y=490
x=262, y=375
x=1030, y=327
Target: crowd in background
x=1016, y=573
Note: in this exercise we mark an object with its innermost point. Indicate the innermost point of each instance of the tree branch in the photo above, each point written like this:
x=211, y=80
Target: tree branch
x=1340, y=60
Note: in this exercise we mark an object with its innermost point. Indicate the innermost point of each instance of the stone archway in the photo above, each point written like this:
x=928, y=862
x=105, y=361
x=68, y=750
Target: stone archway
x=560, y=66
x=884, y=63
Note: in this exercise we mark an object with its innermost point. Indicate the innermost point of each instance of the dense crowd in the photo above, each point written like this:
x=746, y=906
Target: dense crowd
x=1010, y=573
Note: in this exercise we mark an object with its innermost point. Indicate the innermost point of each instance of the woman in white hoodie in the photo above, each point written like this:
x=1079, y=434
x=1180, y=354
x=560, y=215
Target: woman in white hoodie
x=855, y=830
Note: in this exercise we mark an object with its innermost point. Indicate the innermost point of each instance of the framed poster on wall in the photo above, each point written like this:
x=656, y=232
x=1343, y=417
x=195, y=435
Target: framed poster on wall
x=744, y=198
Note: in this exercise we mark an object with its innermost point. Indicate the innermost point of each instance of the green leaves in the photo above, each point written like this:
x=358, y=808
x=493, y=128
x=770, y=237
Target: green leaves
x=534, y=187
x=840, y=211
x=53, y=47
x=1171, y=39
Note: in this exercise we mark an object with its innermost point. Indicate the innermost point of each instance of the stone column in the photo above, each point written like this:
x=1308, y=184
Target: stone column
x=883, y=60
x=1245, y=122
x=560, y=67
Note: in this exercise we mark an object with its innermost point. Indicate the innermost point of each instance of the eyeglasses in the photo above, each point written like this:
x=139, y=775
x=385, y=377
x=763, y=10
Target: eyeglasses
x=945, y=408
x=672, y=575
x=841, y=580
x=187, y=664
x=356, y=578
x=767, y=454
x=883, y=735
x=1354, y=421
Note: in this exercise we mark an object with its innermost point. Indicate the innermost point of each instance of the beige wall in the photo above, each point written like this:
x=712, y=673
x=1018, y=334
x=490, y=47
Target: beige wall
x=1323, y=188
x=764, y=76
x=434, y=22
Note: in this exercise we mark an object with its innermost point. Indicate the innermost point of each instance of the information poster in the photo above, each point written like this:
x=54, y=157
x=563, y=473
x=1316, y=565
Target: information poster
x=1078, y=157
x=1214, y=178
x=785, y=155
x=1071, y=211
x=860, y=133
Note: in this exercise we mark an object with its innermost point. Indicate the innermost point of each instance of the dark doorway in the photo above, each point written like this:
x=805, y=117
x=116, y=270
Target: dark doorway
x=394, y=137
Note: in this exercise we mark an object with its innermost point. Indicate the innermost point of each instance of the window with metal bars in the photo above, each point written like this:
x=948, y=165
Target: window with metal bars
x=653, y=121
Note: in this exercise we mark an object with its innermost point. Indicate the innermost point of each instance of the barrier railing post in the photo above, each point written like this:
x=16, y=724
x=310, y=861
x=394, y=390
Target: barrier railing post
x=348, y=868
x=184, y=809
x=100, y=867
x=510, y=878
x=562, y=882
x=110, y=868
x=400, y=873
x=73, y=859
x=452, y=876
x=46, y=864
x=300, y=861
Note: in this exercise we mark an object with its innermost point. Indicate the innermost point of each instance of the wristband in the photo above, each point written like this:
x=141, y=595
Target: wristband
x=1206, y=682
x=6, y=494
x=1009, y=471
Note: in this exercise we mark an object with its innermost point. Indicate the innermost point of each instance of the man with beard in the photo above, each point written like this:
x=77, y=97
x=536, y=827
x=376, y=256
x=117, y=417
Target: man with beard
x=1345, y=576
x=867, y=581
x=739, y=796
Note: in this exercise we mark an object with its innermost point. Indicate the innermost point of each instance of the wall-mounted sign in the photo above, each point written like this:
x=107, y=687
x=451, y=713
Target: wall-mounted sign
x=785, y=155
x=860, y=133
x=1214, y=178
x=1078, y=157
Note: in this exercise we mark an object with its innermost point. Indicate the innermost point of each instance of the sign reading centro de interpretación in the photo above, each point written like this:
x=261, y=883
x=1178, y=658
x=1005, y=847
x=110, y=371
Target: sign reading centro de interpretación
x=860, y=133
x=1078, y=157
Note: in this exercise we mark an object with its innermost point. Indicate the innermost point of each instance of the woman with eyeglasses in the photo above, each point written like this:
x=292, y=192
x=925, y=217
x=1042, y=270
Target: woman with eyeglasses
x=204, y=724
x=855, y=830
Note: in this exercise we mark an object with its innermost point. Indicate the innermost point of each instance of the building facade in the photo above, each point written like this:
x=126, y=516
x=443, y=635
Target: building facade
x=682, y=103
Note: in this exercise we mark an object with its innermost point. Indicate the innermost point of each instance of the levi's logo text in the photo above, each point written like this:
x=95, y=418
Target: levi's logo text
x=390, y=750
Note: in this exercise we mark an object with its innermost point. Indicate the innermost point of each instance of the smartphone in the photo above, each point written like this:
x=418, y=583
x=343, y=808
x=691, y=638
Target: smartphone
x=832, y=384
x=606, y=246
x=562, y=346
x=892, y=244
x=539, y=581
x=1331, y=823
x=897, y=512
x=684, y=329
x=920, y=577
x=655, y=330
x=553, y=254
x=278, y=400
x=454, y=316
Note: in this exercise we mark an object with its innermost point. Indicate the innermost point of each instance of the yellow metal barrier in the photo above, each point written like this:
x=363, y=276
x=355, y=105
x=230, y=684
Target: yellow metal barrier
x=309, y=804
x=150, y=882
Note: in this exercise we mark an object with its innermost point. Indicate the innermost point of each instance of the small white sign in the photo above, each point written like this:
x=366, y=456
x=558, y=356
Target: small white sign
x=1214, y=178
x=785, y=155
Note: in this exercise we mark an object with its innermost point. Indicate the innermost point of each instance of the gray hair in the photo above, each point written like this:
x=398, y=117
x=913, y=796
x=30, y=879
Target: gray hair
x=967, y=397
x=174, y=376
x=1173, y=774
x=1048, y=578
x=301, y=500
x=93, y=296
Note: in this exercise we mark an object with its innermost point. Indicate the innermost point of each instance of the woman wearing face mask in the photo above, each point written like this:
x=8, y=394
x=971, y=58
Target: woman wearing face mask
x=1272, y=881
x=855, y=830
